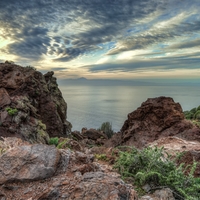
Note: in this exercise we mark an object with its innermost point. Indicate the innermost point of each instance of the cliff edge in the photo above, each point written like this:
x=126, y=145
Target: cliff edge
x=31, y=105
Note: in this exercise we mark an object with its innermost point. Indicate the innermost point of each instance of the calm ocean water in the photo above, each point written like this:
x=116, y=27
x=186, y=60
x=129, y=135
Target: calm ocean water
x=90, y=106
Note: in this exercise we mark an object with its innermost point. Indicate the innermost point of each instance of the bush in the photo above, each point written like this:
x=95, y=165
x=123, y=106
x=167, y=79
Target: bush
x=11, y=111
x=154, y=167
x=106, y=127
x=64, y=144
x=53, y=141
x=101, y=157
x=197, y=115
x=193, y=114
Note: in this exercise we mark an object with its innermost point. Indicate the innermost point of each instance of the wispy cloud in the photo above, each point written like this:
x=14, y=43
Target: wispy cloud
x=83, y=32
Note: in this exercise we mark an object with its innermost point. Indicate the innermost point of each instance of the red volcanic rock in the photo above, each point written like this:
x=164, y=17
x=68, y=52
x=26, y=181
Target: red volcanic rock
x=93, y=134
x=156, y=118
x=43, y=172
x=4, y=98
x=31, y=104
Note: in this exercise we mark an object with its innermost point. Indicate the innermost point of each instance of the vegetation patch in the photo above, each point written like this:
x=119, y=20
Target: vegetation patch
x=40, y=124
x=154, y=167
x=64, y=144
x=101, y=157
x=193, y=114
x=106, y=127
x=11, y=111
x=53, y=141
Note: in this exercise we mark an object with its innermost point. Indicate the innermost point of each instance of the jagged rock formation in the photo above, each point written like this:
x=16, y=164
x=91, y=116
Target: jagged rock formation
x=31, y=105
x=69, y=175
x=156, y=118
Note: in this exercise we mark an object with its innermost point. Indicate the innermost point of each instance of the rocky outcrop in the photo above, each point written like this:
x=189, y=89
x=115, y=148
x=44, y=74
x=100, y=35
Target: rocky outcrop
x=89, y=137
x=77, y=176
x=31, y=105
x=156, y=118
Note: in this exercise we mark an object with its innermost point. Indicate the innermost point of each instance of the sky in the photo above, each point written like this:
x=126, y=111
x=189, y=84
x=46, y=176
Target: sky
x=103, y=39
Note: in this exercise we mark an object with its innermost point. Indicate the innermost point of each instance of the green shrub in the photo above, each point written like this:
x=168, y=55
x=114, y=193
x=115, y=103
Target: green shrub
x=197, y=115
x=101, y=157
x=53, y=141
x=11, y=111
x=106, y=127
x=193, y=114
x=154, y=167
x=64, y=144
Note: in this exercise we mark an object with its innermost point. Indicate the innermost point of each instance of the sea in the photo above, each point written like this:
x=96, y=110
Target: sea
x=89, y=106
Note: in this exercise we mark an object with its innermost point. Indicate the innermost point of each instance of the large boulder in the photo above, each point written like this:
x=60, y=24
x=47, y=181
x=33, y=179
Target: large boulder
x=31, y=104
x=156, y=118
x=28, y=163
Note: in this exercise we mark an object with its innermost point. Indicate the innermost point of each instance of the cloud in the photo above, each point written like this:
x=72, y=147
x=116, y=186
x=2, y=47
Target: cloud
x=58, y=68
x=161, y=32
x=185, y=45
x=29, y=43
x=35, y=25
x=152, y=64
x=63, y=31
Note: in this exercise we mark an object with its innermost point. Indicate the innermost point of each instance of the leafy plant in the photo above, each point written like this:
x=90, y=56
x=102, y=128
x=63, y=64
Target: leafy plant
x=63, y=144
x=11, y=111
x=106, y=127
x=53, y=141
x=194, y=113
x=101, y=157
x=154, y=167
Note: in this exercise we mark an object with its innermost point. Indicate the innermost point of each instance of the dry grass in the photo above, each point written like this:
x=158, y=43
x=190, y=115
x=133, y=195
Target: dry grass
x=7, y=143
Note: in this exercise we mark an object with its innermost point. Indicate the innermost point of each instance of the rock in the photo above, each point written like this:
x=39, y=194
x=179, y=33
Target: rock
x=2, y=196
x=77, y=135
x=31, y=105
x=94, y=134
x=9, y=143
x=69, y=143
x=64, y=160
x=163, y=194
x=77, y=176
x=52, y=194
x=4, y=98
x=156, y=118
x=102, y=186
x=30, y=162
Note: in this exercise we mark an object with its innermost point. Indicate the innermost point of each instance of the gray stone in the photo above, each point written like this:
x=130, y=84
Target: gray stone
x=31, y=162
x=64, y=160
x=164, y=194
